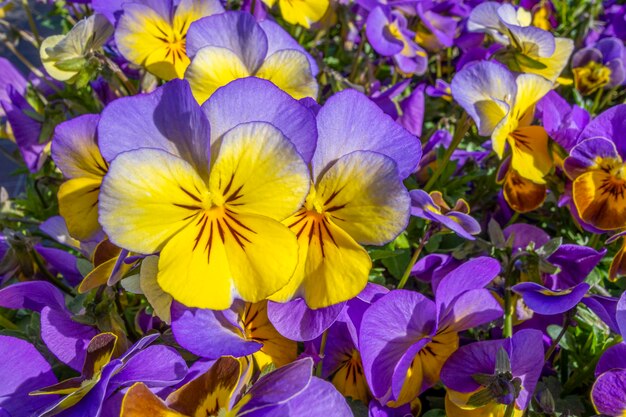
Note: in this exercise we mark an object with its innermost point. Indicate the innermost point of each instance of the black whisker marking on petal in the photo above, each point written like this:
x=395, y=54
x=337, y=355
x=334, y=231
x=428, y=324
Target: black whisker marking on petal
x=185, y=206
x=193, y=196
x=199, y=236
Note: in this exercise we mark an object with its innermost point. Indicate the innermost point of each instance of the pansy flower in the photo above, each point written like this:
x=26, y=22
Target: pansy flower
x=242, y=330
x=75, y=152
x=153, y=33
x=531, y=49
x=434, y=208
x=357, y=198
x=405, y=338
x=595, y=166
x=502, y=106
x=209, y=201
x=68, y=57
x=486, y=377
x=234, y=45
x=103, y=375
x=600, y=66
x=609, y=390
x=387, y=32
x=286, y=392
x=301, y=12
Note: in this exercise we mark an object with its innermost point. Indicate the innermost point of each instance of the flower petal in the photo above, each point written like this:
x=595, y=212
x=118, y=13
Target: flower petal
x=291, y=72
x=75, y=148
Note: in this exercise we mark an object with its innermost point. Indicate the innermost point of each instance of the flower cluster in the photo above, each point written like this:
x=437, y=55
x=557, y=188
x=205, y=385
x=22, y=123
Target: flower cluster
x=312, y=208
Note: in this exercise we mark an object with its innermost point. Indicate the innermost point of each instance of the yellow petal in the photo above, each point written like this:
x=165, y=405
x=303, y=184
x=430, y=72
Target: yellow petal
x=349, y=379
x=210, y=392
x=291, y=72
x=530, y=89
x=49, y=62
x=259, y=171
x=188, y=11
x=303, y=12
x=555, y=63
x=522, y=194
x=211, y=68
x=78, y=204
x=332, y=267
x=530, y=155
x=600, y=200
x=146, y=39
x=139, y=401
x=147, y=197
x=193, y=267
x=276, y=349
x=363, y=194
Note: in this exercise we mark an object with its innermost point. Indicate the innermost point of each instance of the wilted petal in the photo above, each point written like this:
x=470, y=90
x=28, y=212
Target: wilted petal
x=544, y=301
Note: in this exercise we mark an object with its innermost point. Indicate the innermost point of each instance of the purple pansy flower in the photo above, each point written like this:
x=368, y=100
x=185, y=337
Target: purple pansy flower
x=490, y=375
x=285, y=392
x=405, y=338
x=97, y=388
x=387, y=32
x=562, y=121
x=600, y=66
x=434, y=208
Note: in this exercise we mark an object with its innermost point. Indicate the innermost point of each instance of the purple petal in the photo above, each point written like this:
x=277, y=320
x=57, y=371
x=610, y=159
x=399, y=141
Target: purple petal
x=611, y=48
x=471, y=309
x=279, y=387
x=207, y=334
x=620, y=314
x=524, y=234
x=349, y=121
x=26, y=130
x=390, y=327
x=155, y=366
x=612, y=358
x=237, y=31
x=376, y=409
x=433, y=267
x=473, y=274
x=527, y=362
x=33, y=295
x=609, y=393
x=65, y=338
x=73, y=145
x=11, y=79
x=586, y=55
x=575, y=263
x=378, y=34
x=23, y=370
x=296, y=321
x=584, y=155
x=413, y=111
x=168, y=119
x=252, y=99
x=609, y=124
x=475, y=358
x=319, y=399
x=544, y=301
x=61, y=261
x=278, y=39
x=605, y=308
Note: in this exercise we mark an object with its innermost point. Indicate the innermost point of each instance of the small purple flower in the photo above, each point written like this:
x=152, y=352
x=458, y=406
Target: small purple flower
x=405, y=338
x=600, y=66
x=434, y=208
x=387, y=32
x=490, y=375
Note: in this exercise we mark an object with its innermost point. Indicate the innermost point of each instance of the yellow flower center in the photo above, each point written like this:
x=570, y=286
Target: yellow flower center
x=591, y=77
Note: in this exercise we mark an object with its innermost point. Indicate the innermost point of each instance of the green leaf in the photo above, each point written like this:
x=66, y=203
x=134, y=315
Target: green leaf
x=71, y=64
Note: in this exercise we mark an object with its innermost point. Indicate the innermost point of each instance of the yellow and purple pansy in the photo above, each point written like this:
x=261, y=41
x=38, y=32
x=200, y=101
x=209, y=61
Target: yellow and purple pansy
x=234, y=45
x=153, y=33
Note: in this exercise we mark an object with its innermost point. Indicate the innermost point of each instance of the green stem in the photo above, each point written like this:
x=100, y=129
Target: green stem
x=555, y=343
x=31, y=22
x=416, y=254
x=318, y=368
x=7, y=324
x=510, y=409
x=509, y=281
x=461, y=129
